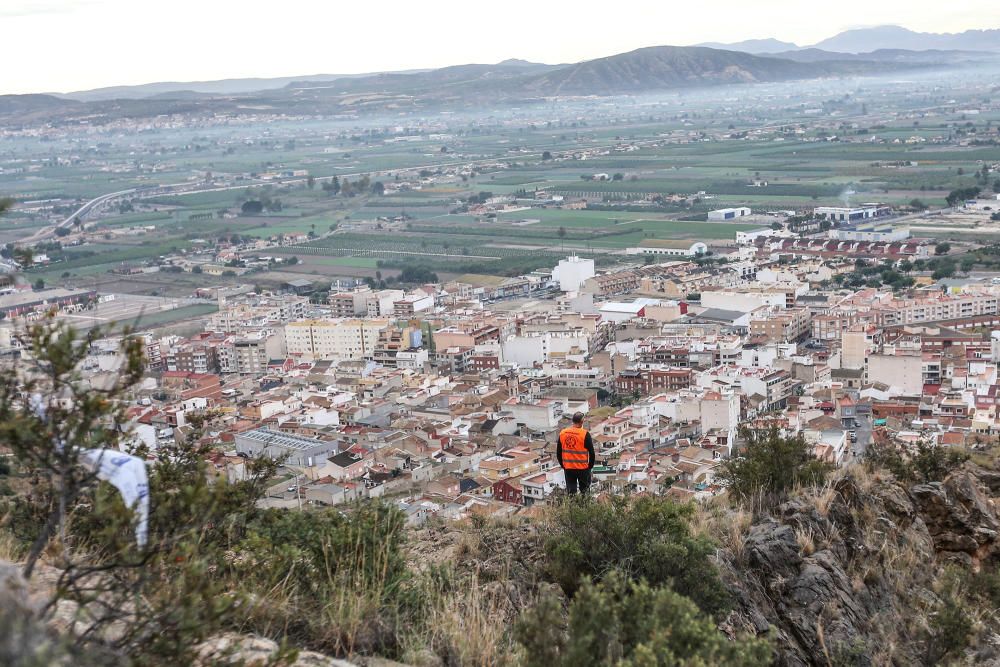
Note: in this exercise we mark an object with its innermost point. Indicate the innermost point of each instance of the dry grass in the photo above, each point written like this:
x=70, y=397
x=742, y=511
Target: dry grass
x=736, y=532
x=820, y=497
x=708, y=518
x=10, y=549
x=726, y=526
x=806, y=541
x=467, y=624
x=470, y=544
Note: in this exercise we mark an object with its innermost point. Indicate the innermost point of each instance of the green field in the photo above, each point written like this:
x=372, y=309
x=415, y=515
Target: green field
x=354, y=262
x=707, y=146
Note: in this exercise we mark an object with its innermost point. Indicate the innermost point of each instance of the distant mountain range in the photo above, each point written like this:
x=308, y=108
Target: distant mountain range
x=812, y=55
x=769, y=45
x=865, y=40
x=646, y=70
x=194, y=89
x=668, y=67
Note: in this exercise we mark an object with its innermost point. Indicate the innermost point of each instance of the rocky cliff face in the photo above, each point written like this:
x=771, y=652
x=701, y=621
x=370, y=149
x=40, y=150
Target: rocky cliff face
x=852, y=577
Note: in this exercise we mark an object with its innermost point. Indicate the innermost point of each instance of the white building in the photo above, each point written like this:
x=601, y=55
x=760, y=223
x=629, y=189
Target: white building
x=411, y=304
x=614, y=311
x=750, y=237
x=539, y=487
x=572, y=272
x=723, y=214
x=538, y=347
x=412, y=359
x=669, y=248
x=334, y=340
x=541, y=415
x=880, y=236
x=720, y=411
x=903, y=373
x=849, y=214
x=383, y=302
x=743, y=302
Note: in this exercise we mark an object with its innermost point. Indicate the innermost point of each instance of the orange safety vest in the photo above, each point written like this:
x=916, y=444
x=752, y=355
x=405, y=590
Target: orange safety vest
x=573, y=441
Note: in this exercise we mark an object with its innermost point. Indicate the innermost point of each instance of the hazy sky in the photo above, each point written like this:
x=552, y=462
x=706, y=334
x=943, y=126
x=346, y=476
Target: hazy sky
x=67, y=45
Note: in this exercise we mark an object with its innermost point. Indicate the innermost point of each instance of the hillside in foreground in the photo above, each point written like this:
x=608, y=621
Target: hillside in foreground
x=861, y=569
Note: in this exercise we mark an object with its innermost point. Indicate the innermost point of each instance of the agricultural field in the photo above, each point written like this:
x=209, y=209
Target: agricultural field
x=668, y=161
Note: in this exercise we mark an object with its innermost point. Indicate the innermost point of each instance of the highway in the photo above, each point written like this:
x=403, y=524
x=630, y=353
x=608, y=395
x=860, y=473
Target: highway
x=79, y=214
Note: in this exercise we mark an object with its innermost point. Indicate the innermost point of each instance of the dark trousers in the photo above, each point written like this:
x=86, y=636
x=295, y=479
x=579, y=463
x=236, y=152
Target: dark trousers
x=577, y=478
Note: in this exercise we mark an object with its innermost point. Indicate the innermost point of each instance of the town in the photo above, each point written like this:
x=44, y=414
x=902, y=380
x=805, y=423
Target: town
x=526, y=340
x=447, y=397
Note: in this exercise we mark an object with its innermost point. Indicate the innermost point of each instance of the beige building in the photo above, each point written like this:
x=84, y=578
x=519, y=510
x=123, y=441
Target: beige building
x=854, y=349
x=334, y=340
x=349, y=304
x=782, y=327
x=904, y=372
x=936, y=308
x=250, y=354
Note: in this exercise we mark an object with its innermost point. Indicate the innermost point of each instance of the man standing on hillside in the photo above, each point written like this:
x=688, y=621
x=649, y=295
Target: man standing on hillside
x=575, y=453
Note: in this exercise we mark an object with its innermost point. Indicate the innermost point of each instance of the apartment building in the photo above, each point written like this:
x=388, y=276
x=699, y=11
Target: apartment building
x=652, y=381
x=334, y=340
x=412, y=304
x=466, y=335
x=196, y=357
x=611, y=283
x=250, y=354
x=383, y=302
x=767, y=387
x=257, y=312
x=392, y=341
x=935, y=308
x=785, y=326
x=349, y=304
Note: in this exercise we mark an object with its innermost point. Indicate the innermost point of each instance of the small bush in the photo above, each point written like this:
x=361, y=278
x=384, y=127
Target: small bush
x=926, y=463
x=643, y=538
x=617, y=622
x=949, y=632
x=772, y=464
x=985, y=585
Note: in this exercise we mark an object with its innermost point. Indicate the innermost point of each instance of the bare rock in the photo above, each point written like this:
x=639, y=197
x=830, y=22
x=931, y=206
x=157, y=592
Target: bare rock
x=419, y=658
x=960, y=516
x=249, y=650
x=25, y=640
x=771, y=547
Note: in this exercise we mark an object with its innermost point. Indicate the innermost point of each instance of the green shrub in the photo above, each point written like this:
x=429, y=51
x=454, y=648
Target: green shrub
x=985, y=585
x=643, y=537
x=771, y=464
x=950, y=629
x=623, y=623
x=925, y=463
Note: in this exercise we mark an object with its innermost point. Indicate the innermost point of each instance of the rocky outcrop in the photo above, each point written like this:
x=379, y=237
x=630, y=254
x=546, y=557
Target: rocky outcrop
x=961, y=517
x=845, y=581
x=23, y=640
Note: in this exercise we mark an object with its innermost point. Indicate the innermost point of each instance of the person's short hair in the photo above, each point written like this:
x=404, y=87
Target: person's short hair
x=578, y=418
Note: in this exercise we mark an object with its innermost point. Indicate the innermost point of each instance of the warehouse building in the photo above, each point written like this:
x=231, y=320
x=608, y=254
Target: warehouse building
x=723, y=214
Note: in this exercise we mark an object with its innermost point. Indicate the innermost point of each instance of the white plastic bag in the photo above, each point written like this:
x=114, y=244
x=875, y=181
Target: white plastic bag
x=127, y=474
